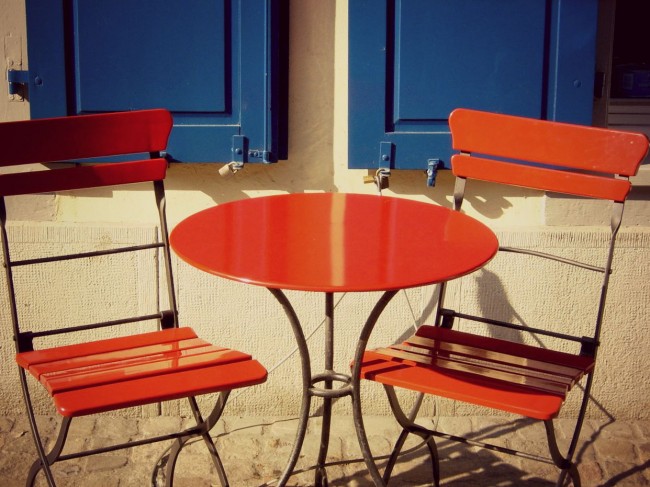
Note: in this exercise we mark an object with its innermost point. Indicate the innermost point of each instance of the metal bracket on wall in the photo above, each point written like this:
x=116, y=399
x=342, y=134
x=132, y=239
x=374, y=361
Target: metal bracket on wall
x=18, y=80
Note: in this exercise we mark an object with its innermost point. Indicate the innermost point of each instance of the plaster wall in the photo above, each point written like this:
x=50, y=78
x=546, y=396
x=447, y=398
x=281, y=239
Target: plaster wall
x=248, y=318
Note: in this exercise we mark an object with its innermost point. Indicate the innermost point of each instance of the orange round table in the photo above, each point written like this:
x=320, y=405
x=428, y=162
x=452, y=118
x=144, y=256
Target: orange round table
x=332, y=242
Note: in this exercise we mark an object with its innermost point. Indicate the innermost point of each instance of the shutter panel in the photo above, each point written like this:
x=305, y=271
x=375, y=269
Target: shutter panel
x=411, y=62
x=213, y=63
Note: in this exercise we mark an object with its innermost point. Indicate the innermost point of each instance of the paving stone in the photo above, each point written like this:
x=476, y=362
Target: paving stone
x=614, y=449
x=117, y=427
x=160, y=425
x=591, y=473
x=106, y=462
x=643, y=451
x=84, y=426
x=643, y=429
x=6, y=424
x=618, y=429
x=624, y=474
x=461, y=426
x=255, y=450
x=586, y=452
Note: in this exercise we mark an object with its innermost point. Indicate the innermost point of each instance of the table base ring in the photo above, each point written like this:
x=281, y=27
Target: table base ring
x=344, y=390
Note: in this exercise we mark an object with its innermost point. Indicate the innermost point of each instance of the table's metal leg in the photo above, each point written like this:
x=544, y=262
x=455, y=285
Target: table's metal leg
x=351, y=386
x=356, y=384
x=310, y=388
x=320, y=478
x=305, y=362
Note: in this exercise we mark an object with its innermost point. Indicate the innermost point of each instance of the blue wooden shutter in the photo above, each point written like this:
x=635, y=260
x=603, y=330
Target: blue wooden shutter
x=411, y=62
x=216, y=64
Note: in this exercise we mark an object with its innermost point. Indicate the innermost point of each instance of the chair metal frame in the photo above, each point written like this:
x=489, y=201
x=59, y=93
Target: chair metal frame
x=91, y=136
x=576, y=160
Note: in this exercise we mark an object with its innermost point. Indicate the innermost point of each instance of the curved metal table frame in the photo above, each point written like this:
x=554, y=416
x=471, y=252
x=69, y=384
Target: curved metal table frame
x=322, y=242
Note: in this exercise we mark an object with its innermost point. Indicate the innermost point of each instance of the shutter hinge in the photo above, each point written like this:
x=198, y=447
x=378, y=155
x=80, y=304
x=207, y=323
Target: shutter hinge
x=262, y=155
x=242, y=154
x=18, y=80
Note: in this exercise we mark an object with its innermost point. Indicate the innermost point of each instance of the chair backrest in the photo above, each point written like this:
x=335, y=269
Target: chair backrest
x=576, y=160
x=550, y=156
x=137, y=137
x=76, y=138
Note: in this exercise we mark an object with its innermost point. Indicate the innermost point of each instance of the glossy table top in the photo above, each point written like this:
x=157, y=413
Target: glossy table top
x=332, y=242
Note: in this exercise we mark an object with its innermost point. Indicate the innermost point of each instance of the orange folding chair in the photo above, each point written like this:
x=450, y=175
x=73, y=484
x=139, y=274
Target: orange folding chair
x=523, y=376
x=125, y=368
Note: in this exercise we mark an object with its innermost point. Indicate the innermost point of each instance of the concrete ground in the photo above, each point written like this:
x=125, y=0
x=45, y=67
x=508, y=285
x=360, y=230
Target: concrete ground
x=254, y=451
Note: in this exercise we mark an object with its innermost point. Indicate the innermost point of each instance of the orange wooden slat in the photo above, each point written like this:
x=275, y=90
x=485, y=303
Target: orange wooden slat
x=462, y=386
x=160, y=388
x=28, y=359
x=494, y=354
x=85, y=136
x=561, y=144
x=168, y=363
x=504, y=346
x=481, y=361
x=69, y=178
x=104, y=359
x=484, y=369
x=540, y=178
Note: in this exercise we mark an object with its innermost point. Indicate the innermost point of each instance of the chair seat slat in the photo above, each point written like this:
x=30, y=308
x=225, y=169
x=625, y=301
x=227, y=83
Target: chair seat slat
x=546, y=367
x=463, y=386
x=484, y=369
x=506, y=347
x=159, y=388
x=98, y=360
x=161, y=364
x=28, y=359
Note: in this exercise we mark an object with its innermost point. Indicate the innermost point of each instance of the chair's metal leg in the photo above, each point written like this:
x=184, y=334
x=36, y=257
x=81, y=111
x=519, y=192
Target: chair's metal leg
x=566, y=463
x=43, y=462
x=392, y=460
x=178, y=445
x=399, y=444
x=356, y=386
x=209, y=423
x=435, y=460
x=562, y=462
x=202, y=429
x=175, y=451
x=53, y=455
x=306, y=383
x=408, y=424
